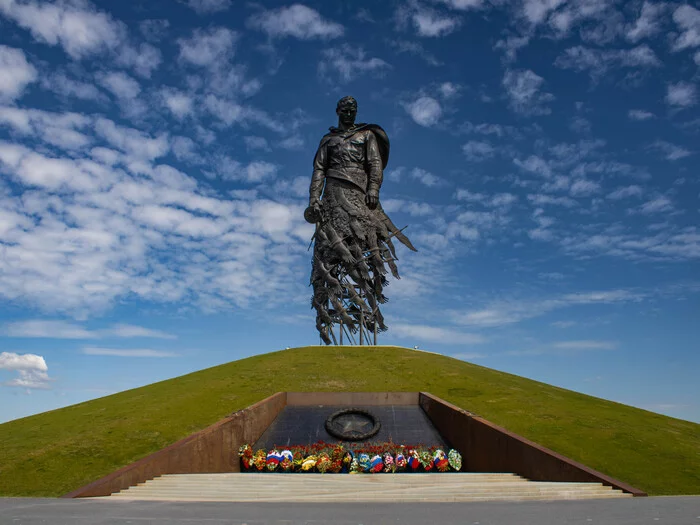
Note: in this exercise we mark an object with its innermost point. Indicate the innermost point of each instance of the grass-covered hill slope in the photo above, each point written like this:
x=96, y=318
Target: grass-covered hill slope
x=56, y=452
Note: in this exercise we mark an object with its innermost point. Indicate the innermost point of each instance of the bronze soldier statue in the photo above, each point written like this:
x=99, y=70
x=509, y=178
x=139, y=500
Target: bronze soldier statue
x=353, y=239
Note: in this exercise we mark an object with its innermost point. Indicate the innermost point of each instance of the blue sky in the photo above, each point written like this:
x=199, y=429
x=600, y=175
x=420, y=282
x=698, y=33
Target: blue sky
x=155, y=159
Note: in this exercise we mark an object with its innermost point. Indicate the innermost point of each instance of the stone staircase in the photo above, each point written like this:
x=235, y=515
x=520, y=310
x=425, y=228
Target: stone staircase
x=396, y=488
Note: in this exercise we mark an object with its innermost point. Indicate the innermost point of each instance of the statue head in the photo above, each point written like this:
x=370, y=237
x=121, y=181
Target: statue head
x=346, y=110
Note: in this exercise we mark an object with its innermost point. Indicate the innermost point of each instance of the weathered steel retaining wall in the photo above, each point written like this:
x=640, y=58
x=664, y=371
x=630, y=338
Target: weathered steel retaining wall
x=209, y=450
x=486, y=447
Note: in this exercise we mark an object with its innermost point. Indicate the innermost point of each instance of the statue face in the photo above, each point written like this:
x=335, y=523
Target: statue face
x=347, y=113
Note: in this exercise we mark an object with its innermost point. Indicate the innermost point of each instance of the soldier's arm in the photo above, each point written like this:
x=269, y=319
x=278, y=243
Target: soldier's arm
x=319, y=175
x=376, y=174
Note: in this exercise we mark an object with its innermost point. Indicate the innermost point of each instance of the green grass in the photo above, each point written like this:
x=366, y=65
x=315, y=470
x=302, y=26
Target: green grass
x=56, y=452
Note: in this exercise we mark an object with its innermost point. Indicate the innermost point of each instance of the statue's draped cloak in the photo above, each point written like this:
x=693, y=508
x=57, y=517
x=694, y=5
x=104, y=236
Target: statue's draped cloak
x=353, y=244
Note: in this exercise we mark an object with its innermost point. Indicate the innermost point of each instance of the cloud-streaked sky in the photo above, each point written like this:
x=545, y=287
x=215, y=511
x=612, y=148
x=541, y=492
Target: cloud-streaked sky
x=155, y=159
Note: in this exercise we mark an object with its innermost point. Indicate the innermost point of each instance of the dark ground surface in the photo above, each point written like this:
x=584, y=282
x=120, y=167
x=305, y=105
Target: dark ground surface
x=303, y=425
x=676, y=510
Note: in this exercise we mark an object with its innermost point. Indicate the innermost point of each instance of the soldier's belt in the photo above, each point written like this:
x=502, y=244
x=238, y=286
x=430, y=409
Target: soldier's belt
x=357, y=178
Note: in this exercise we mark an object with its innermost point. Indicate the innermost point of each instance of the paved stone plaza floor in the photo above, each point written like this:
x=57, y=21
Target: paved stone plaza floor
x=677, y=510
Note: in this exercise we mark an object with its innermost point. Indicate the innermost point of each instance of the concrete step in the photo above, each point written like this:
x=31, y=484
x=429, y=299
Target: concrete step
x=375, y=499
x=368, y=488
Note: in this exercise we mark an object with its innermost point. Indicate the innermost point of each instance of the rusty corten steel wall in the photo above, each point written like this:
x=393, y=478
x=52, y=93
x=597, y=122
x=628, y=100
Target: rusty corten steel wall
x=486, y=447
x=213, y=449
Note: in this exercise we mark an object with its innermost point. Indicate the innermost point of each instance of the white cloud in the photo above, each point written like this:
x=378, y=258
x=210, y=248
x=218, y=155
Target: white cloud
x=511, y=45
x=41, y=328
x=537, y=11
x=44, y=328
x=660, y=204
x=681, y=94
x=426, y=178
x=65, y=131
x=51, y=173
x=535, y=164
x=503, y=200
x=584, y=188
x=668, y=244
x=605, y=22
x=626, y=192
x=671, y=151
x=294, y=142
x=253, y=143
x=523, y=88
x=143, y=59
x=639, y=114
x=414, y=209
x=434, y=334
x=430, y=23
x=464, y=5
x=687, y=18
x=349, y=62
x=208, y=47
x=204, y=7
x=252, y=173
x=123, y=352
x=477, y=151
x=586, y=344
x=415, y=48
x=233, y=113
x=543, y=200
x=648, y=23
x=120, y=84
x=507, y=312
x=15, y=73
x=130, y=330
x=32, y=370
x=76, y=26
x=62, y=85
x=449, y=90
x=598, y=62
x=180, y=104
x=425, y=111
x=298, y=21
x=132, y=141
x=11, y=361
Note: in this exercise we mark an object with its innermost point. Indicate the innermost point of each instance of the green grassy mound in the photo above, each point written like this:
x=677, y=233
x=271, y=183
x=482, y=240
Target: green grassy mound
x=56, y=452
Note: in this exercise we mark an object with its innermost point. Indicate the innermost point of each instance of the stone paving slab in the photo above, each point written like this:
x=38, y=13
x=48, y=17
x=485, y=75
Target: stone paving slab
x=677, y=510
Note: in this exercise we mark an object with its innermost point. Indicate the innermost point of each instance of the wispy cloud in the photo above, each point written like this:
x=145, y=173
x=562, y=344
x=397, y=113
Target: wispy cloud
x=124, y=352
x=435, y=334
x=524, y=91
x=348, y=62
x=508, y=312
x=671, y=151
x=586, y=344
x=298, y=21
x=204, y=7
x=565, y=348
x=598, y=62
x=66, y=330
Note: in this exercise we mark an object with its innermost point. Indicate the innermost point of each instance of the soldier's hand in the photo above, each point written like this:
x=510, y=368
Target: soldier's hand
x=372, y=199
x=315, y=205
